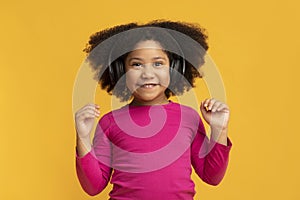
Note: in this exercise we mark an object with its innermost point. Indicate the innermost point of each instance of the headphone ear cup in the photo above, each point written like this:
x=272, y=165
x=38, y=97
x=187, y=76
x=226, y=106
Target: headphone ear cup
x=119, y=66
x=111, y=73
x=174, y=70
x=116, y=71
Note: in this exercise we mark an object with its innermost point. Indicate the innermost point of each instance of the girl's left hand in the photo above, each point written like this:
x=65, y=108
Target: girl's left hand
x=215, y=113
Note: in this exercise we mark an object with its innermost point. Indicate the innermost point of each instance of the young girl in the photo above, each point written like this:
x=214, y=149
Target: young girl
x=147, y=147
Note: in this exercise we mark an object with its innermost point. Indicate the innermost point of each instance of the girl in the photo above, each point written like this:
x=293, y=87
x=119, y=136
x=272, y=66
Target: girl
x=147, y=147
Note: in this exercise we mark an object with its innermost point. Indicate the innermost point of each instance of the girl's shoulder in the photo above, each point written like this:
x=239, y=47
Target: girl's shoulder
x=187, y=115
x=185, y=108
x=105, y=121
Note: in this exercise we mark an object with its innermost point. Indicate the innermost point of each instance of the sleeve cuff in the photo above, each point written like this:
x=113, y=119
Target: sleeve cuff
x=86, y=156
x=224, y=147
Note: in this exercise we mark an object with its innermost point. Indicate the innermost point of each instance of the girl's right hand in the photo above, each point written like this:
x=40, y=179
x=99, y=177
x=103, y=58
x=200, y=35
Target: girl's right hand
x=85, y=119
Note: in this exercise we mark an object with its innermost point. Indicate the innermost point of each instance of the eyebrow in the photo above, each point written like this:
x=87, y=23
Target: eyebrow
x=154, y=58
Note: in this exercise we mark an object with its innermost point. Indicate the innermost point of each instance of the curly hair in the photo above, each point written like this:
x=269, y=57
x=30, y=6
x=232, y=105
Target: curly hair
x=184, y=43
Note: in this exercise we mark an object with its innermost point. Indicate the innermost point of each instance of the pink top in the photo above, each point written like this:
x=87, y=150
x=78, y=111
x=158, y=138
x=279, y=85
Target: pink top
x=151, y=150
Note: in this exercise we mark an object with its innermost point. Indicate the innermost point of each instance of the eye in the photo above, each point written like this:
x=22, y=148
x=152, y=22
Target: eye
x=158, y=64
x=136, y=64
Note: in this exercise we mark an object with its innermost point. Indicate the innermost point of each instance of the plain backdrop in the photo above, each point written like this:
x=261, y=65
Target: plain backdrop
x=255, y=45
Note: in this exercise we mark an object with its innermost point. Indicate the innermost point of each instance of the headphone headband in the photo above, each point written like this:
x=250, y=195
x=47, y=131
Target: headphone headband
x=117, y=69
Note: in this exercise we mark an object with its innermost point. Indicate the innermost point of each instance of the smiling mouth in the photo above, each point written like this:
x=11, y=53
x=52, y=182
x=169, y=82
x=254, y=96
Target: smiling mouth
x=149, y=85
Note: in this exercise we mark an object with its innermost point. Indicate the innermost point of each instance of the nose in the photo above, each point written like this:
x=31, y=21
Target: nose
x=148, y=72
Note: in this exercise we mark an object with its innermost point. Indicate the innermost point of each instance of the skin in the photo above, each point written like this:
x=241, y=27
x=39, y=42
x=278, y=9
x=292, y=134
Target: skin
x=147, y=74
x=147, y=77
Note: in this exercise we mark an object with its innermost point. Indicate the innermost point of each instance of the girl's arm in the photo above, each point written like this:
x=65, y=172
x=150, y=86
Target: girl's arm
x=210, y=157
x=93, y=174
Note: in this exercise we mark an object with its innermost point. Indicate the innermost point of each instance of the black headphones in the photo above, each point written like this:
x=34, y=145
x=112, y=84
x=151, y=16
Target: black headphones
x=117, y=67
x=176, y=72
x=117, y=70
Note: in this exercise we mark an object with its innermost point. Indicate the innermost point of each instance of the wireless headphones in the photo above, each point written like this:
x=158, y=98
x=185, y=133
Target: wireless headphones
x=116, y=68
x=177, y=70
x=116, y=71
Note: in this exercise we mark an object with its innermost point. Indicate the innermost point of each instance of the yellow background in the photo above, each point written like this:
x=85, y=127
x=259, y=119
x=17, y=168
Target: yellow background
x=255, y=45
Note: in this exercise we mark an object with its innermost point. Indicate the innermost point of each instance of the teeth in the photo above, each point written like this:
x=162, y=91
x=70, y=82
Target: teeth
x=148, y=85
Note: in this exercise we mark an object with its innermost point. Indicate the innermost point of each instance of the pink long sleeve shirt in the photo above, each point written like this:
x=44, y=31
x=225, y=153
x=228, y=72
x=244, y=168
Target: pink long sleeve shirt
x=148, y=151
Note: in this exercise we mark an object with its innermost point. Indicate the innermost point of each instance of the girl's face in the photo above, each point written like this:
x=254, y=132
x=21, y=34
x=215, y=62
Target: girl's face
x=147, y=73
